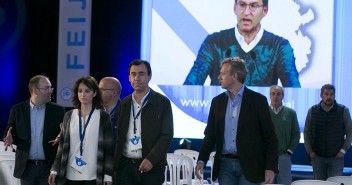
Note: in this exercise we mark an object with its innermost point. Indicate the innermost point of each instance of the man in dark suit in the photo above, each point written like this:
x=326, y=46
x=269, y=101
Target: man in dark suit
x=240, y=126
x=145, y=131
x=33, y=126
x=110, y=89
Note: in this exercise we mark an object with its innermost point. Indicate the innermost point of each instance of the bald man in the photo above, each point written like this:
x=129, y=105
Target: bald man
x=110, y=88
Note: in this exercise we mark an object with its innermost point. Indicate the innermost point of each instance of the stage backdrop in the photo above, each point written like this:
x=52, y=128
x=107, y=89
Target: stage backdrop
x=174, y=30
x=29, y=35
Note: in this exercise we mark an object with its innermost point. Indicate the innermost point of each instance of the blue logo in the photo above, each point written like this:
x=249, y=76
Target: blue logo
x=135, y=140
x=80, y=162
x=66, y=94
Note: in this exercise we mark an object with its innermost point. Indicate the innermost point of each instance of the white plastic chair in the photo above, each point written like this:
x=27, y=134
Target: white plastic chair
x=194, y=156
x=346, y=180
x=211, y=159
x=6, y=173
x=10, y=148
x=7, y=153
x=313, y=182
x=180, y=169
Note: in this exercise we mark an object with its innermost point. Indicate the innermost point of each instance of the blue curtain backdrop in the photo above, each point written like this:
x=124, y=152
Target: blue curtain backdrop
x=29, y=44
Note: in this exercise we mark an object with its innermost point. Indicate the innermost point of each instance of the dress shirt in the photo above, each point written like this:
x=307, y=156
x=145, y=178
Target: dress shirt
x=231, y=122
x=36, y=151
x=130, y=149
x=276, y=110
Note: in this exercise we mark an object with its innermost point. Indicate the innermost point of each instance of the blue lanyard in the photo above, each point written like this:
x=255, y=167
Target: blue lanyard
x=81, y=135
x=138, y=113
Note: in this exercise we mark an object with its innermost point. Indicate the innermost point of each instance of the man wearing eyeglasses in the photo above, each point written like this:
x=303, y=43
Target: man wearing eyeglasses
x=33, y=126
x=268, y=57
x=110, y=88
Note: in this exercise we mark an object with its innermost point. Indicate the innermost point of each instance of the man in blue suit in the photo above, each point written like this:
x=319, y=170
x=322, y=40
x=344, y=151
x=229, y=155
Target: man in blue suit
x=241, y=129
x=33, y=126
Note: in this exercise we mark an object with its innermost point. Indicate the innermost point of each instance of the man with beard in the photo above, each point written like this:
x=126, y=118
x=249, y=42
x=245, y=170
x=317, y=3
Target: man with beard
x=327, y=134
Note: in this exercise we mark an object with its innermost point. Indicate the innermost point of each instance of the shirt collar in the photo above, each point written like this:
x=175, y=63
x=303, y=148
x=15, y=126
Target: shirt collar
x=247, y=47
x=34, y=106
x=240, y=92
x=276, y=110
x=142, y=100
x=111, y=109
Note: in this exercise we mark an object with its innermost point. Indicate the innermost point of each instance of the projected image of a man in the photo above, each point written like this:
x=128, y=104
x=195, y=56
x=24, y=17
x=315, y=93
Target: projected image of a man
x=268, y=57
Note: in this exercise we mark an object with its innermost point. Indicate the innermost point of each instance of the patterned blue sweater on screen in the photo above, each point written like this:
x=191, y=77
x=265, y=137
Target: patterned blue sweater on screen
x=271, y=59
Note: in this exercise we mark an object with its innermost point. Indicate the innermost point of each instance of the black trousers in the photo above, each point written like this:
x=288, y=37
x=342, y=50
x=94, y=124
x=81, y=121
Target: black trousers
x=35, y=174
x=128, y=173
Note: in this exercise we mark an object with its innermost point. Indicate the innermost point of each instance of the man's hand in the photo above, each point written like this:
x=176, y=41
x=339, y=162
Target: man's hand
x=51, y=179
x=340, y=155
x=55, y=141
x=269, y=176
x=312, y=155
x=145, y=166
x=8, y=139
x=199, y=170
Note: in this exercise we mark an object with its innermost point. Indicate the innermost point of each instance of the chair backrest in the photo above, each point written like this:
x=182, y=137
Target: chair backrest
x=212, y=158
x=180, y=169
x=7, y=157
x=190, y=153
x=10, y=148
x=346, y=180
x=6, y=173
x=7, y=153
x=313, y=182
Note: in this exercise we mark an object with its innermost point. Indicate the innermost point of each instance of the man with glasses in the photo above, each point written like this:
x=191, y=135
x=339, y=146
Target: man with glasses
x=33, y=126
x=268, y=57
x=110, y=88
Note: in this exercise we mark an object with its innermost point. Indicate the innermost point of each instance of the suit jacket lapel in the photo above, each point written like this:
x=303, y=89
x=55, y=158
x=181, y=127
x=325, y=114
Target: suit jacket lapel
x=222, y=102
x=246, y=101
x=47, y=121
x=127, y=111
x=27, y=118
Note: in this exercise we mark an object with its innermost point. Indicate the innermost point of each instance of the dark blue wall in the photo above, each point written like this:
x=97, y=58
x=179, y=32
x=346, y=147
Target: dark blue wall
x=29, y=44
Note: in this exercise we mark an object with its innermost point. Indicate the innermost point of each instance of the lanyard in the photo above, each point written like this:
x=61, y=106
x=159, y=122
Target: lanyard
x=81, y=135
x=138, y=113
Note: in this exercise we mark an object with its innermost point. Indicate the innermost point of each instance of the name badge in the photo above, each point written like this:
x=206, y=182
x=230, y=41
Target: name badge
x=135, y=143
x=79, y=165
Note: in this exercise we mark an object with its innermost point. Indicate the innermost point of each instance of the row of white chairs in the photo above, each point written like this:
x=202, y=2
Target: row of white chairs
x=182, y=163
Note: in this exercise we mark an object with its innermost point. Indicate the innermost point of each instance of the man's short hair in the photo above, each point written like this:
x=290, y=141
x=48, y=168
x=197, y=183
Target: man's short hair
x=238, y=66
x=328, y=87
x=281, y=88
x=138, y=62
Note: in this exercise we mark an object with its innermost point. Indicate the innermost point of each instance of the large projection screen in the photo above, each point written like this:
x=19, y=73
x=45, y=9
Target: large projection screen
x=173, y=31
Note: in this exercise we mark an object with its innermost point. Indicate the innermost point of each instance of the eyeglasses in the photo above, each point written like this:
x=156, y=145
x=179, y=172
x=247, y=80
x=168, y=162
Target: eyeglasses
x=48, y=89
x=252, y=6
x=103, y=90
